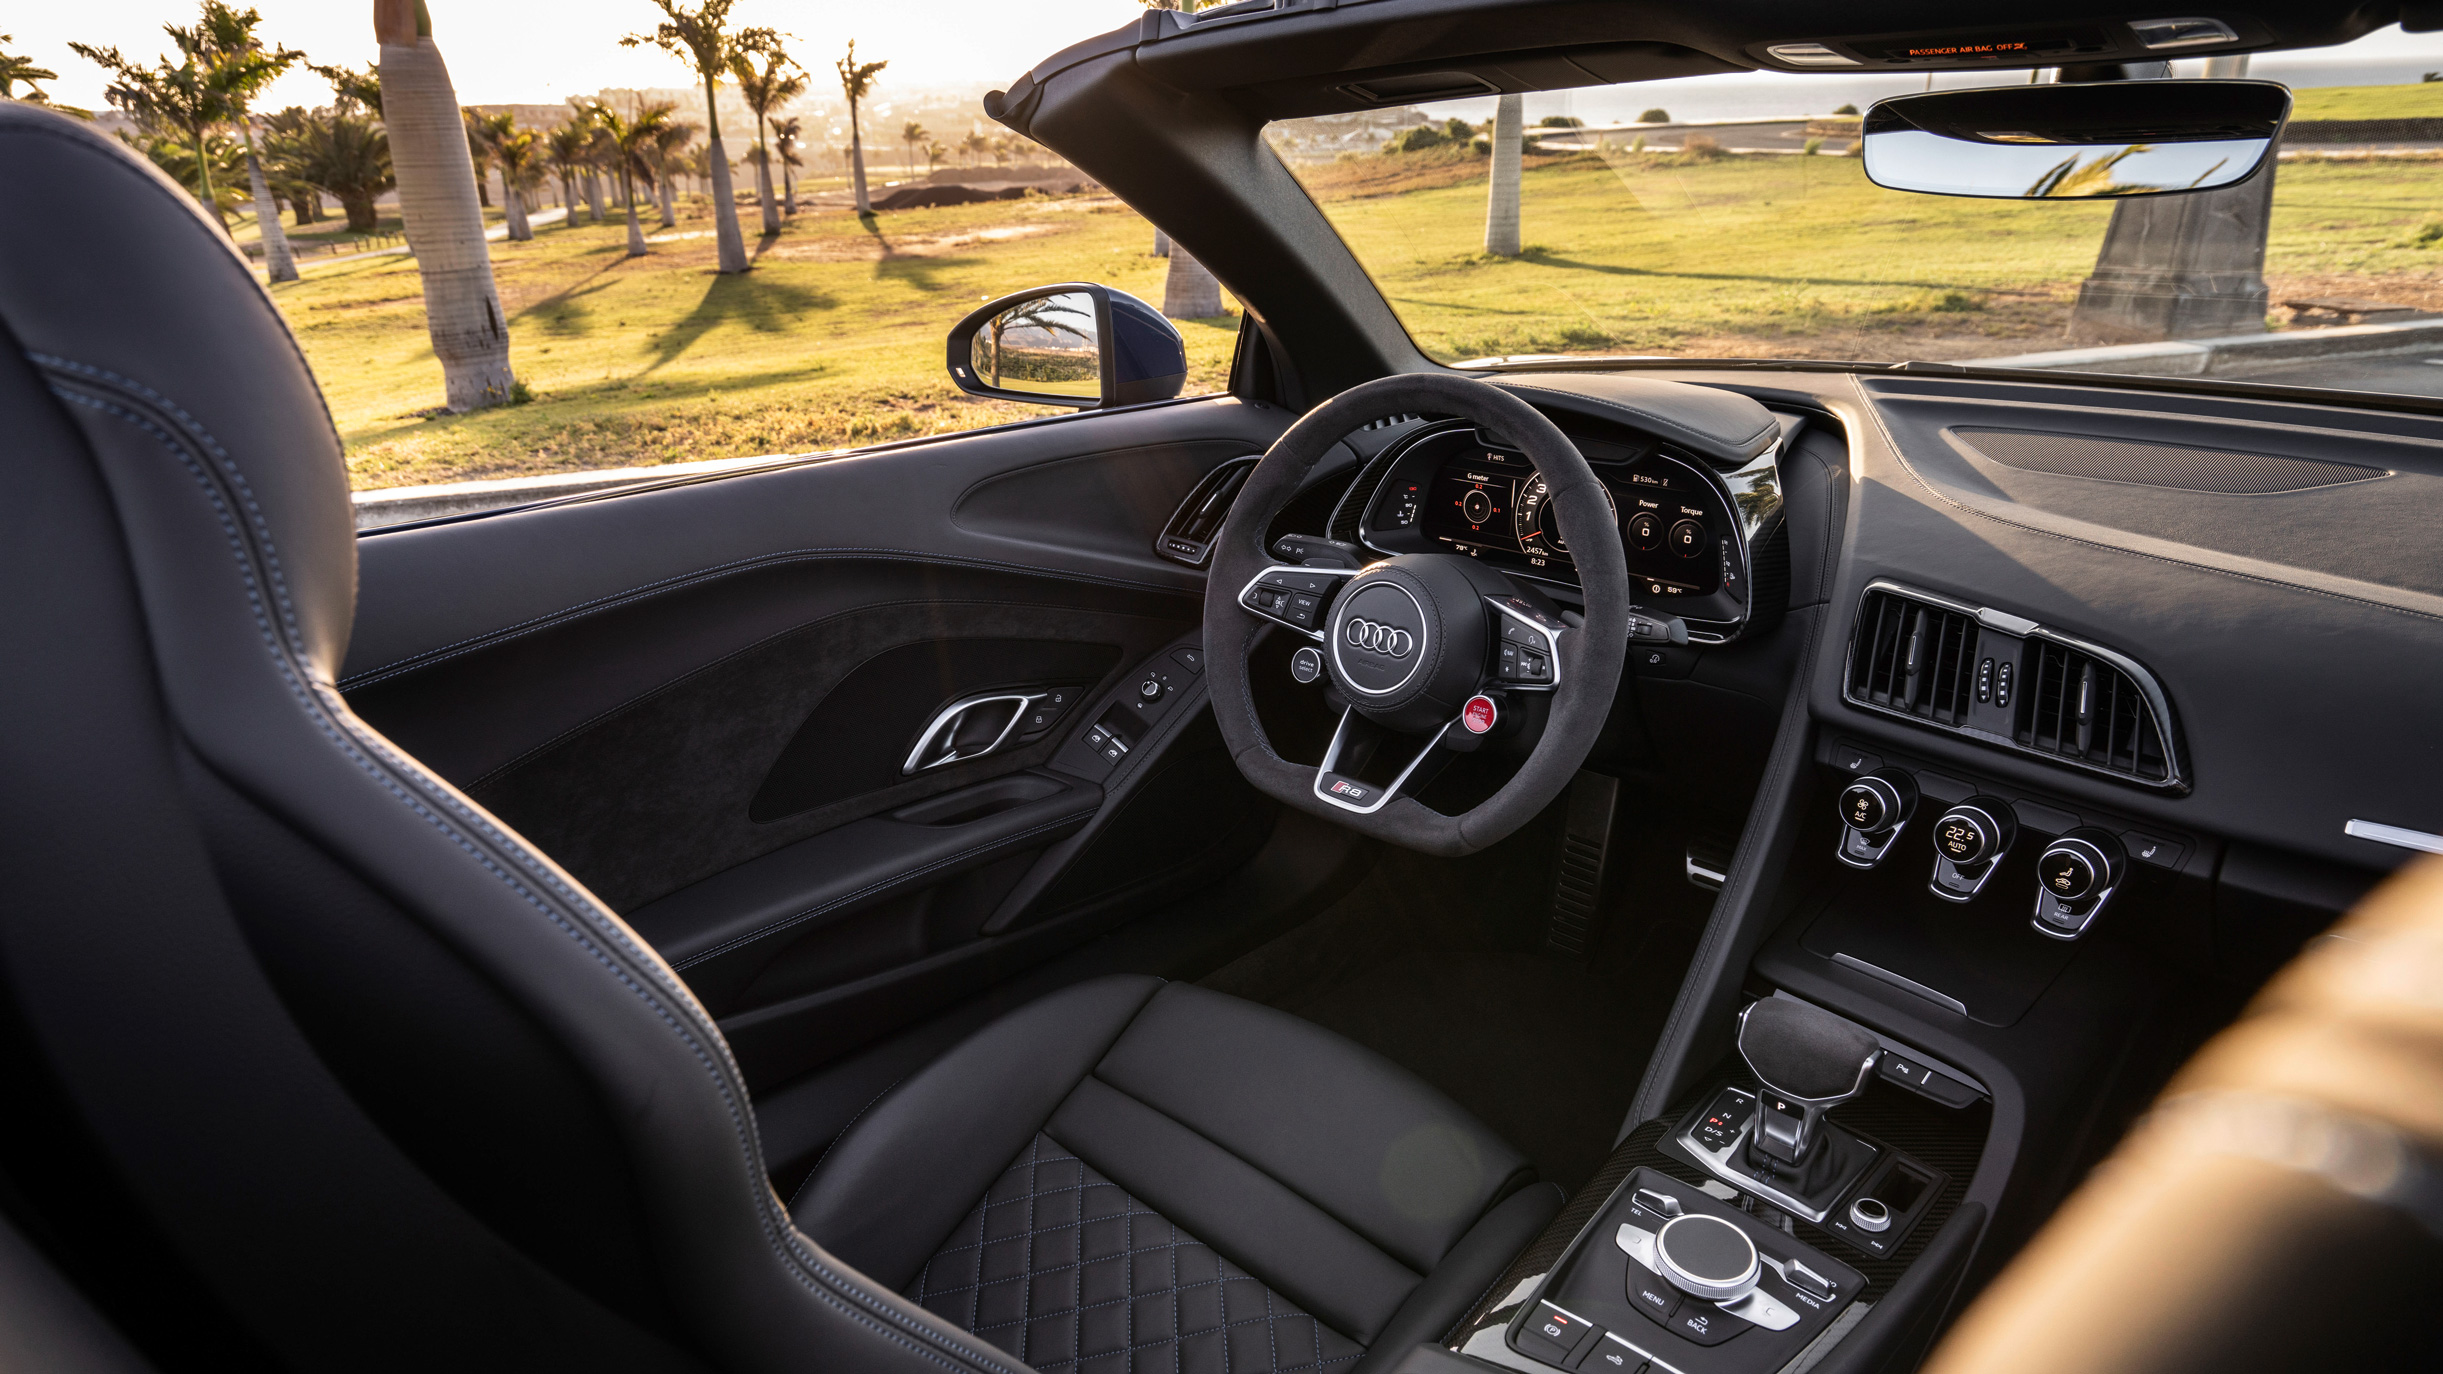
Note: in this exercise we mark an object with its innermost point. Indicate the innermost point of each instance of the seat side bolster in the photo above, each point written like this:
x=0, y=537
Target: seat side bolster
x=887, y=1192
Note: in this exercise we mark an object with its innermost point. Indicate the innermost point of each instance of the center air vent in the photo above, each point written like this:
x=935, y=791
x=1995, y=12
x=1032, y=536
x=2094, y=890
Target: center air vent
x=1915, y=659
x=2011, y=682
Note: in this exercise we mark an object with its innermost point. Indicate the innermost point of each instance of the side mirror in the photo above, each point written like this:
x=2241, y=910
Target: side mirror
x=2122, y=138
x=1076, y=344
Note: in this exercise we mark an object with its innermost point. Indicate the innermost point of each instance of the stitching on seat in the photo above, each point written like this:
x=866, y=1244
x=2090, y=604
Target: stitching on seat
x=646, y=977
x=800, y=1190
x=1283, y=1184
x=785, y=922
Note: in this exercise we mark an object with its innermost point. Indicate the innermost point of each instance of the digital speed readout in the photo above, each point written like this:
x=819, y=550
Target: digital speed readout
x=1498, y=501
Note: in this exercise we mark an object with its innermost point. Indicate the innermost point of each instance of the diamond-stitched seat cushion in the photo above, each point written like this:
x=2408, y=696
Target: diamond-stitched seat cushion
x=1134, y=1177
x=1062, y=1268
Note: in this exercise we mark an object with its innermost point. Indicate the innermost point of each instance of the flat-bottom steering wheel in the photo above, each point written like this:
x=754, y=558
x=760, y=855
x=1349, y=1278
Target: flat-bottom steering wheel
x=1411, y=641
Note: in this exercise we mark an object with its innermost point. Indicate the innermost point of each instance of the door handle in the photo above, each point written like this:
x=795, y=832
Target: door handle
x=969, y=728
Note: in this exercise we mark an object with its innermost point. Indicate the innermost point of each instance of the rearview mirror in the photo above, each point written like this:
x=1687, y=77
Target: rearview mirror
x=1076, y=344
x=2122, y=138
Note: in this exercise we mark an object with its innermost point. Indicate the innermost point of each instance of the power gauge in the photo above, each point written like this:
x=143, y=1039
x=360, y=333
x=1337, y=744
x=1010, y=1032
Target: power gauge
x=1537, y=522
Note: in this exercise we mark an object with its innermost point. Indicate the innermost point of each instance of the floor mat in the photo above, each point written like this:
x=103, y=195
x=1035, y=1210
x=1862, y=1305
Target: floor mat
x=1436, y=964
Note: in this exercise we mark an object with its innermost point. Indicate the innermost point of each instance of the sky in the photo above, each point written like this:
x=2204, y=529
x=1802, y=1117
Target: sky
x=544, y=51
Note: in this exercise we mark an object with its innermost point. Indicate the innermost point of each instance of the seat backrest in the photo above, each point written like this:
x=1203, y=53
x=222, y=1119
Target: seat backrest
x=327, y=1051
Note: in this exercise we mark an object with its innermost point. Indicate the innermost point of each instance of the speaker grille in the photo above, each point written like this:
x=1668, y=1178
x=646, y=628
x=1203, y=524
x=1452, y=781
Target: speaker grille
x=2222, y=472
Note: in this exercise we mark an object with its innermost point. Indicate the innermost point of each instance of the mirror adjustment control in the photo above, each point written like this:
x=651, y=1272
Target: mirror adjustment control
x=2075, y=876
x=1875, y=807
x=1970, y=842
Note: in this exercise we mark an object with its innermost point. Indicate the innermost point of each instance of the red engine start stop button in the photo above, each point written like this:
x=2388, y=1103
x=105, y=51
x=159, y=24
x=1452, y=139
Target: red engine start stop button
x=1479, y=714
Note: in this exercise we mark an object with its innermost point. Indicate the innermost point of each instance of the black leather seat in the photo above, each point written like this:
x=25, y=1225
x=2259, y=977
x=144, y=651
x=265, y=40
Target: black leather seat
x=1132, y=1175
x=330, y=1069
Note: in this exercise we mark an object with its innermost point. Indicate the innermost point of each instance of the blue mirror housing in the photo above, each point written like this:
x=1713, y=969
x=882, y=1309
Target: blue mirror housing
x=1149, y=359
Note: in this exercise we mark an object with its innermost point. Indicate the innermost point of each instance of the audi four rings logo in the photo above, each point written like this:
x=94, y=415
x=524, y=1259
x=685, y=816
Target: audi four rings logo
x=1375, y=637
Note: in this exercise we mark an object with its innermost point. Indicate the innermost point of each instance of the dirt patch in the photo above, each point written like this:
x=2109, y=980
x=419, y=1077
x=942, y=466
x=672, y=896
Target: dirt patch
x=843, y=248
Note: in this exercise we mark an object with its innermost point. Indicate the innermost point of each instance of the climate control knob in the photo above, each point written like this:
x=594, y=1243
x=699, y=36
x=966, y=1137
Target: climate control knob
x=2075, y=876
x=1874, y=806
x=1978, y=830
x=1969, y=842
x=1879, y=801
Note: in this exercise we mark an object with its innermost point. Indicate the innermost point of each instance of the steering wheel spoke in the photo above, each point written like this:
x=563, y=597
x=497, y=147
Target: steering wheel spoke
x=1299, y=597
x=1357, y=735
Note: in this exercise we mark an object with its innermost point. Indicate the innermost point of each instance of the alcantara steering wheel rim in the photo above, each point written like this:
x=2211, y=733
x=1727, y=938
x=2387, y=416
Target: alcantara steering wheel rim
x=1586, y=659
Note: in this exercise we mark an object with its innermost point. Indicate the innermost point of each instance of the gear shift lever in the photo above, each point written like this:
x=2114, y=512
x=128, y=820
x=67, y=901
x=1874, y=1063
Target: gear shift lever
x=1809, y=1062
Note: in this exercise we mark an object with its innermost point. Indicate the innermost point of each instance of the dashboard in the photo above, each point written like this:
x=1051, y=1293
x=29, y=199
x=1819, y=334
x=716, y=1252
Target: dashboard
x=1693, y=534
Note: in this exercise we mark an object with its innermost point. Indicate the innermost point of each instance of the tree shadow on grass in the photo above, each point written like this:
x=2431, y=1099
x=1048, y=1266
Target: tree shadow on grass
x=760, y=303
x=549, y=311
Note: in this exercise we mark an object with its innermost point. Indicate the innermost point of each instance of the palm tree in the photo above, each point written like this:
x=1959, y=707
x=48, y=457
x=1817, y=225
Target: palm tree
x=565, y=145
x=1501, y=199
x=445, y=225
x=348, y=155
x=669, y=158
x=785, y=141
x=479, y=153
x=17, y=70
x=519, y=155
x=934, y=153
x=634, y=140
x=241, y=67
x=286, y=135
x=857, y=81
x=224, y=162
x=975, y=145
x=165, y=98
x=912, y=136
x=765, y=89
x=702, y=36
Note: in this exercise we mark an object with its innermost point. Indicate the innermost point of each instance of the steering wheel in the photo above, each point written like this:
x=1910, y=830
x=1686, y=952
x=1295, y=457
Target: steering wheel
x=1422, y=646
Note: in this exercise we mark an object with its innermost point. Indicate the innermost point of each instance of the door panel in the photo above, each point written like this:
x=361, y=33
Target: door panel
x=699, y=699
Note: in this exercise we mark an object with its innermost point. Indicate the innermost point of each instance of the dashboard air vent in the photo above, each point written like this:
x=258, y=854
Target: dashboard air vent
x=1916, y=659
x=1188, y=537
x=2076, y=706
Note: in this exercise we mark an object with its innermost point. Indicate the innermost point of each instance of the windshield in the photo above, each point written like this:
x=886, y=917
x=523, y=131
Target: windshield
x=1743, y=226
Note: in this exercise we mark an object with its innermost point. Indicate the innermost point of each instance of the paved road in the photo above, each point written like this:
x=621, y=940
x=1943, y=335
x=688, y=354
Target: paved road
x=2407, y=376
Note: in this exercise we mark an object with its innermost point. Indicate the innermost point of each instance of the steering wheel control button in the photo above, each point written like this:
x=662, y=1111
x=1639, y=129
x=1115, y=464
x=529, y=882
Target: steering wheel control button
x=1480, y=714
x=1689, y=539
x=1307, y=664
x=1869, y=1214
x=1707, y=1257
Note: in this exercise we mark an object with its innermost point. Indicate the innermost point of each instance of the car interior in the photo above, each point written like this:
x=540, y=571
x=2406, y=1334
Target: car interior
x=1646, y=866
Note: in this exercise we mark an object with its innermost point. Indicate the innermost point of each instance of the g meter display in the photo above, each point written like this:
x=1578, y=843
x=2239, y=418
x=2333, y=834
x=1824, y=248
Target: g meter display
x=1494, y=505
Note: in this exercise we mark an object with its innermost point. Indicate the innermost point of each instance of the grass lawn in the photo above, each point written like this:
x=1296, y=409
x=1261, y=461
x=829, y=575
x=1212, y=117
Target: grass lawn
x=834, y=339
x=1802, y=257
x=2421, y=101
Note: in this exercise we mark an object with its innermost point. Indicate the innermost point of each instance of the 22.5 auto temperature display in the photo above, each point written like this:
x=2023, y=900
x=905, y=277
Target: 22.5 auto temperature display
x=1494, y=506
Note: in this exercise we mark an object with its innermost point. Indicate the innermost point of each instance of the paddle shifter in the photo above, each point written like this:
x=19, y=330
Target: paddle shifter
x=1808, y=1061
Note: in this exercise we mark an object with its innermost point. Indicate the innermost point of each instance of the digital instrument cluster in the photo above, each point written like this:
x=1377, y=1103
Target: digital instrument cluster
x=1451, y=492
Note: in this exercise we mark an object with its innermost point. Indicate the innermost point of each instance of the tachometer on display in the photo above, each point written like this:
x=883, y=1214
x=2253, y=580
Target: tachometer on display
x=1537, y=523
